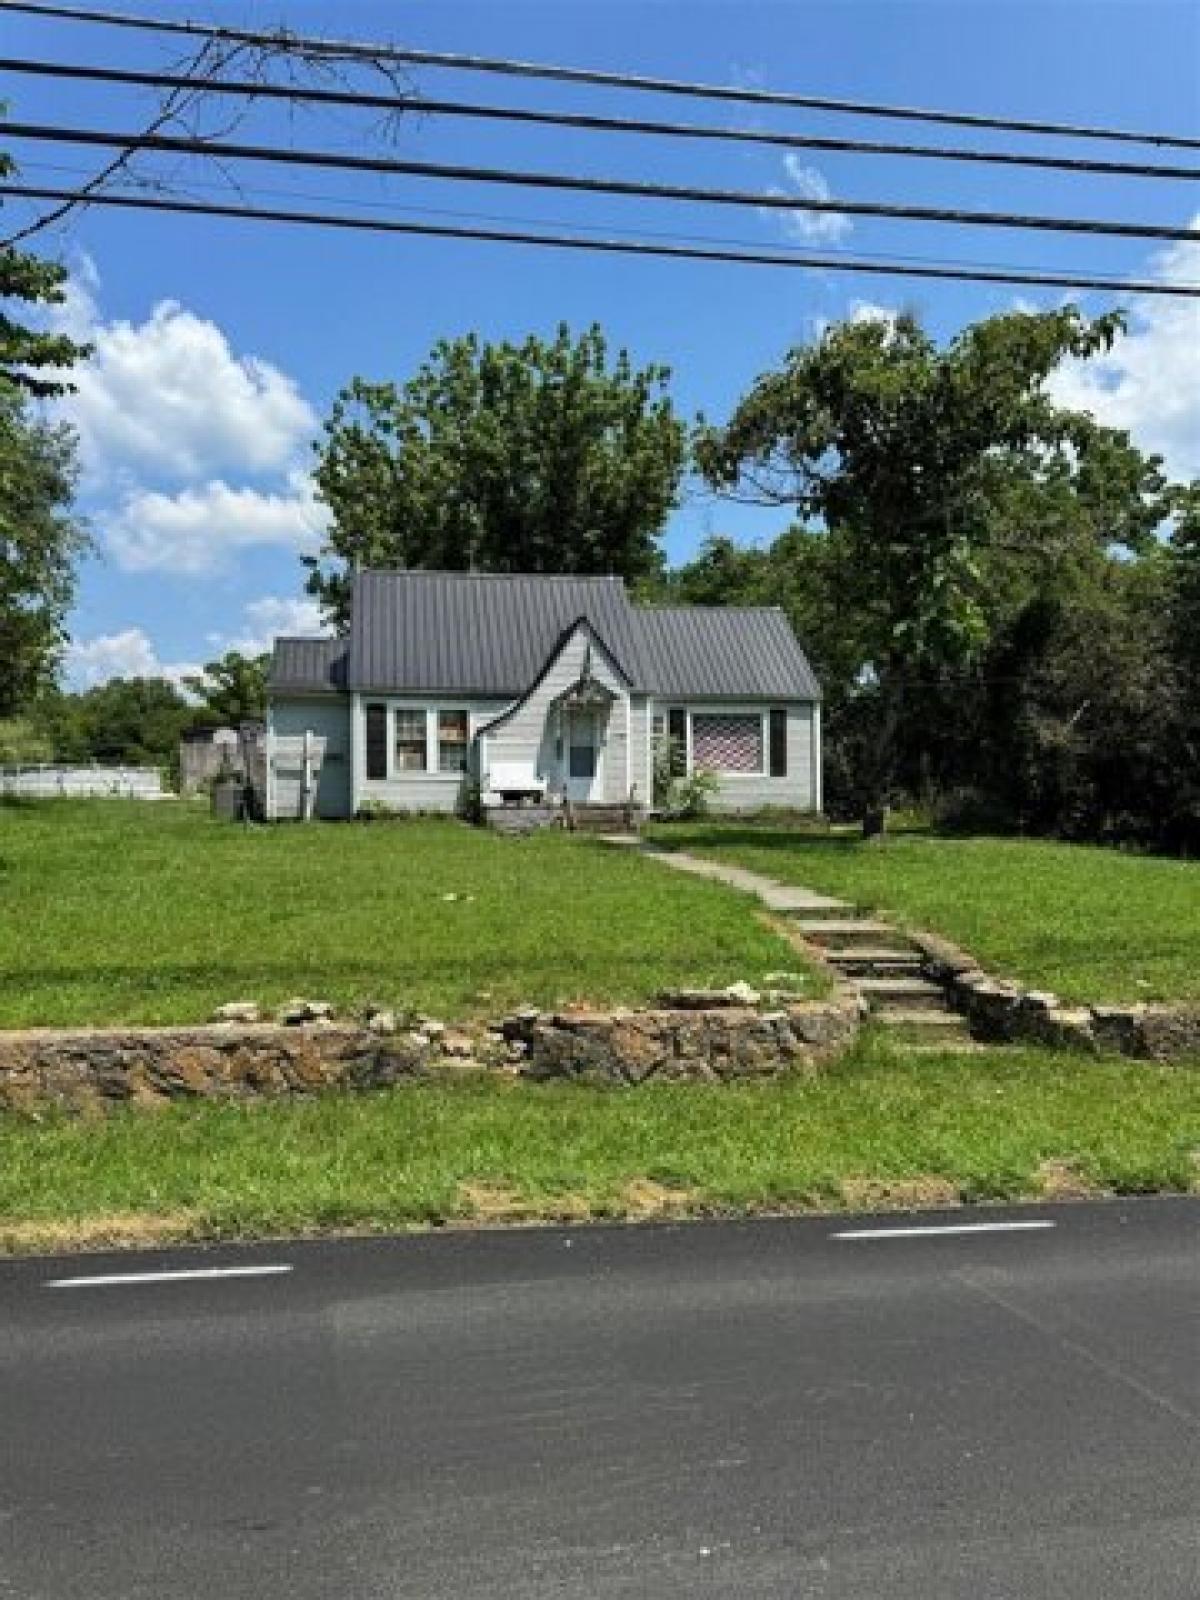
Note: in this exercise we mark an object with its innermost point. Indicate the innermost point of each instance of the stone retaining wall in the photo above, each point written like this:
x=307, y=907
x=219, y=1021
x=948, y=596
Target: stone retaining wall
x=90, y=1069
x=1003, y=1010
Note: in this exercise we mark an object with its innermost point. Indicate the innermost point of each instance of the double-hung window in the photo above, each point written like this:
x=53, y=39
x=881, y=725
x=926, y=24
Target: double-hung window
x=412, y=737
x=452, y=741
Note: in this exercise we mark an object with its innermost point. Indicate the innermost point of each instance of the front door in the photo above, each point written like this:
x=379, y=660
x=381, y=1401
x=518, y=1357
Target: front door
x=583, y=756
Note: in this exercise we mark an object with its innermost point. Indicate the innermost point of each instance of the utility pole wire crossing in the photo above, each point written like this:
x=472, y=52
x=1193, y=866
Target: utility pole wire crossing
x=523, y=178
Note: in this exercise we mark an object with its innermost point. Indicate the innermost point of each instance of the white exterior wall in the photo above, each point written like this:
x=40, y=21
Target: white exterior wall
x=800, y=790
x=528, y=738
x=414, y=791
x=326, y=718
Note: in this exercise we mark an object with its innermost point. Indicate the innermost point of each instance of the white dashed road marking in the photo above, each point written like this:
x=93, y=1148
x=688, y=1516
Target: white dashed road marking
x=111, y=1280
x=935, y=1230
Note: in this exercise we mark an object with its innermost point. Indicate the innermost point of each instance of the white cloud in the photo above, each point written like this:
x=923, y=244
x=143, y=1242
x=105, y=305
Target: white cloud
x=869, y=311
x=810, y=227
x=199, y=531
x=267, y=617
x=169, y=397
x=1148, y=383
x=130, y=654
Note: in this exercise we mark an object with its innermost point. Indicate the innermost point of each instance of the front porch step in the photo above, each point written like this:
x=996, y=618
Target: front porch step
x=906, y=994
x=602, y=819
x=846, y=935
x=866, y=962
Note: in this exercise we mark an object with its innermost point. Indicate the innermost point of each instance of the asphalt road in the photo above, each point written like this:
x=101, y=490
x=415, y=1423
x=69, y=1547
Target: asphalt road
x=742, y=1410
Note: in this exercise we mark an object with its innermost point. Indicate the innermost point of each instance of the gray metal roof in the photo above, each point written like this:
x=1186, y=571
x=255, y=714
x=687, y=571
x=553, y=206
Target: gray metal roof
x=308, y=666
x=489, y=633
x=492, y=634
x=726, y=652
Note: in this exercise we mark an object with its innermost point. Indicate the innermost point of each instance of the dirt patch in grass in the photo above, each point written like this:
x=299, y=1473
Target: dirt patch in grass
x=1062, y=1180
x=924, y=1192
x=125, y=1230
x=637, y=1200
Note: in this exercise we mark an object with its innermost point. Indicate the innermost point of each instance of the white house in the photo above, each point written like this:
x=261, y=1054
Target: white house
x=543, y=688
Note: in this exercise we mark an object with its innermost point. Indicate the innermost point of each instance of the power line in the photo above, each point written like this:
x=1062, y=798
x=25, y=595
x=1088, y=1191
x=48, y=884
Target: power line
x=251, y=191
x=369, y=51
x=587, y=122
x=456, y=173
x=609, y=246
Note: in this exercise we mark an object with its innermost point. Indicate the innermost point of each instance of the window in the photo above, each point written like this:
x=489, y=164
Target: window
x=452, y=741
x=727, y=741
x=677, y=734
x=376, y=741
x=778, y=742
x=411, y=735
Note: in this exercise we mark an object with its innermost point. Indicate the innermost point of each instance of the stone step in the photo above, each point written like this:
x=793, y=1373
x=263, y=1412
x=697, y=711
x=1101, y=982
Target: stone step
x=868, y=962
x=903, y=994
x=929, y=1021
x=843, y=935
x=800, y=903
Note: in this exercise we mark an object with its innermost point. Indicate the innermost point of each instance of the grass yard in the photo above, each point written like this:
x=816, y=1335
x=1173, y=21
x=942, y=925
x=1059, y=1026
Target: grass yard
x=883, y=1129
x=116, y=911
x=1088, y=923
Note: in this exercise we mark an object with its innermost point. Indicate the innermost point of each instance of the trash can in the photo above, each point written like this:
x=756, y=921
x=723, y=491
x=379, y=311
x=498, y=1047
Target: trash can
x=228, y=799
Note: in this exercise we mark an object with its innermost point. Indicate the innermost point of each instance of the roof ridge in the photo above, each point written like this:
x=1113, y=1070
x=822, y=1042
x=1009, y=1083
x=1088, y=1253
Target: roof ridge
x=450, y=572
x=687, y=605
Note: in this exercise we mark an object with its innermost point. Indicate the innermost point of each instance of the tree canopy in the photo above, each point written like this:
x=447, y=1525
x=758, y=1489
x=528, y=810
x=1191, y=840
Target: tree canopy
x=547, y=456
x=941, y=491
x=32, y=359
x=233, y=689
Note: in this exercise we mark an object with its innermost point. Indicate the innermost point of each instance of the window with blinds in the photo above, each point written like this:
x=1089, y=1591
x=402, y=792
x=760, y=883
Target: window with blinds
x=727, y=741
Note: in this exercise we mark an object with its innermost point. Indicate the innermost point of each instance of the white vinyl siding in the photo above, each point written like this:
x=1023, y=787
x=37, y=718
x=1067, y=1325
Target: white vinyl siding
x=528, y=739
x=326, y=720
x=429, y=787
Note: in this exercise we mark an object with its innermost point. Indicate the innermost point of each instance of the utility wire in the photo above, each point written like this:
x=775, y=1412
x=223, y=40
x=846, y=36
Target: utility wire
x=372, y=51
x=765, y=200
x=360, y=100
x=676, y=235
x=610, y=246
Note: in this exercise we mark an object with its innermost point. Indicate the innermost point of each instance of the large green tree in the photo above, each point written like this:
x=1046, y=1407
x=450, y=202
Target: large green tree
x=40, y=539
x=946, y=489
x=32, y=359
x=40, y=543
x=534, y=457
x=233, y=689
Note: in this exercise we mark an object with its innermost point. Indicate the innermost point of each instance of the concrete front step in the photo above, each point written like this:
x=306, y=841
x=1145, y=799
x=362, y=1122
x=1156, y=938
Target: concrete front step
x=902, y=994
x=867, y=962
x=847, y=934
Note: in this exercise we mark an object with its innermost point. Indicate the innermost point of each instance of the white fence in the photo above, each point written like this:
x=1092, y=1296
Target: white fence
x=52, y=781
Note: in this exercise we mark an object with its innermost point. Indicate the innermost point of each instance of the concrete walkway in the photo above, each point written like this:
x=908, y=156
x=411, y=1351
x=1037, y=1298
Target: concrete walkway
x=775, y=896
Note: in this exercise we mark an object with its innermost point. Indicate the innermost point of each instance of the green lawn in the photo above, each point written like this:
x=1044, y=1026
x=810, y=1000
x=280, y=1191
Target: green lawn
x=116, y=911
x=1090, y=924
x=881, y=1129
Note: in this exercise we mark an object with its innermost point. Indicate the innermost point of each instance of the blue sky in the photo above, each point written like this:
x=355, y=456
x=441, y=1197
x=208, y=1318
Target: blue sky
x=221, y=344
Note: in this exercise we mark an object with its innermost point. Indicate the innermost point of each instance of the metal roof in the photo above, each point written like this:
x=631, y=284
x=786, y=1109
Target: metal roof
x=489, y=633
x=308, y=666
x=493, y=634
x=725, y=652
